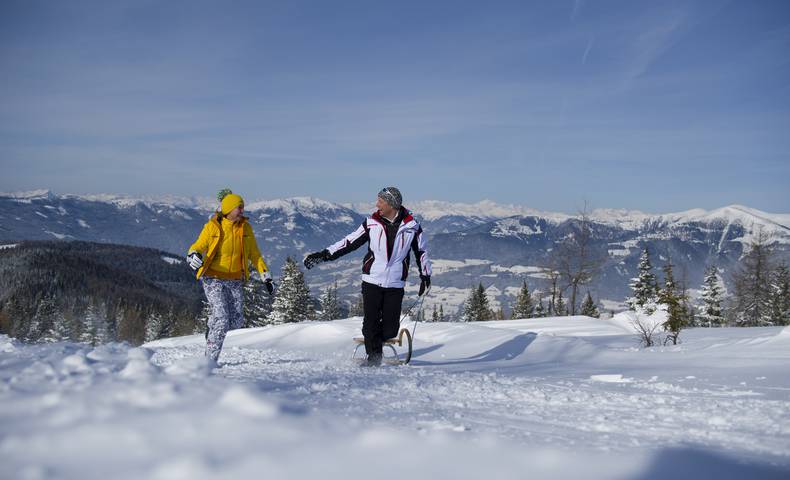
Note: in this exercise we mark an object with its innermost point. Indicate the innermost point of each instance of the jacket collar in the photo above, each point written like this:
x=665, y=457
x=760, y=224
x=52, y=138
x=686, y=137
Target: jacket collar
x=404, y=217
x=217, y=218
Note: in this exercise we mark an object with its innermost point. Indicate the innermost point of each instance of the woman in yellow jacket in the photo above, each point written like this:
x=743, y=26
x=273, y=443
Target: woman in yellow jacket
x=221, y=257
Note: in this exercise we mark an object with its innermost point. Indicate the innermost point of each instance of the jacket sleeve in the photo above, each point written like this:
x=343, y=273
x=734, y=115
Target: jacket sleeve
x=202, y=242
x=255, y=255
x=351, y=242
x=420, y=247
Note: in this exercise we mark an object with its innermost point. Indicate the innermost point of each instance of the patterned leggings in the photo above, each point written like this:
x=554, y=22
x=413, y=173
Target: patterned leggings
x=226, y=299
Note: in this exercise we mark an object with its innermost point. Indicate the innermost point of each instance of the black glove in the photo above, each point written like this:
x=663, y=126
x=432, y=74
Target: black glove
x=269, y=286
x=194, y=260
x=425, y=283
x=314, y=259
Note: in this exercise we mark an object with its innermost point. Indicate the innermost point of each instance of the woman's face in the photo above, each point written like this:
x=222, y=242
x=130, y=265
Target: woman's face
x=236, y=213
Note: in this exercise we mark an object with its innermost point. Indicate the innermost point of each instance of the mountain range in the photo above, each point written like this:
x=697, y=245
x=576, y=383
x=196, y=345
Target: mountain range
x=496, y=245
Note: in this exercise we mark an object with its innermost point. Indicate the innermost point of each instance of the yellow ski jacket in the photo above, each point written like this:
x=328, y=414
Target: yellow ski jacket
x=227, y=249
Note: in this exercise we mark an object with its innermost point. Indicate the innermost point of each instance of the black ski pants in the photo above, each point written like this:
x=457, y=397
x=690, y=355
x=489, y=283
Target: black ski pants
x=382, y=315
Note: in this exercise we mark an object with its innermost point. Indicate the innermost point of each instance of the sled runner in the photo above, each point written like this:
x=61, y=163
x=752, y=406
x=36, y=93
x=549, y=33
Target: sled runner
x=405, y=357
x=396, y=359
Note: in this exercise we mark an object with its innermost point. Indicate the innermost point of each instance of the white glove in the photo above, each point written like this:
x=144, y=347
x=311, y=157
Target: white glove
x=194, y=260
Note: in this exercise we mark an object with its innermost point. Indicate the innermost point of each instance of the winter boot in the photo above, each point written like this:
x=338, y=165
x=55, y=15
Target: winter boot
x=374, y=360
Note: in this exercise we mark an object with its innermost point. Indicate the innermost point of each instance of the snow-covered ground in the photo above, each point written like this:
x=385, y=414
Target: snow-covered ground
x=543, y=398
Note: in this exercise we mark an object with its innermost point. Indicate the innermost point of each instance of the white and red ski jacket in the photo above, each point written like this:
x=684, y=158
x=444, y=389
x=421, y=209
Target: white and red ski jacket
x=387, y=262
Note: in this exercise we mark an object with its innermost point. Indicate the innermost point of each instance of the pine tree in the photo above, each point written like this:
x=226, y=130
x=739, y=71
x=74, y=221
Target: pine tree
x=441, y=312
x=523, y=307
x=60, y=330
x=435, y=314
x=780, y=295
x=753, y=284
x=90, y=324
x=154, y=327
x=476, y=308
x=588, y=307
x=673, y=300
x=540, y=309
x=644, y=287
x=710, y=311
x=292, y=303
x=43, y=320
x=330, y=306
x=560, y=309
x=105, y=329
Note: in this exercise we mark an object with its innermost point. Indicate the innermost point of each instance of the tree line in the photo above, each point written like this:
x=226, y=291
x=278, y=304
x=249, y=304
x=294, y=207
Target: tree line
x=761, y=294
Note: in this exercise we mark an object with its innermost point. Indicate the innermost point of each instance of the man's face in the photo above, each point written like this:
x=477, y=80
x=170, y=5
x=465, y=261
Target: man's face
x=384, y=207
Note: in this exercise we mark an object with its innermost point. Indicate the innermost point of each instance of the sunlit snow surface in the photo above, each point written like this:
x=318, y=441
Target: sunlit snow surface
x=549, y=398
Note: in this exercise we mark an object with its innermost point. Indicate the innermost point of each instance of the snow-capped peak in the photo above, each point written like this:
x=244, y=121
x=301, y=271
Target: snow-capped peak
x=484, y=209
x=293, y=205
x=42, y=194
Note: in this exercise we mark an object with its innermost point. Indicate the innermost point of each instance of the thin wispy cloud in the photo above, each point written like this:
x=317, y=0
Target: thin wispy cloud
x=577, y=9
x=652, y=42
x=587, y=50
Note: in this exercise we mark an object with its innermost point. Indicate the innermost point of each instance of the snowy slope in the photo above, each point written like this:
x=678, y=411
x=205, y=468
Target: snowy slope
x=547, y=398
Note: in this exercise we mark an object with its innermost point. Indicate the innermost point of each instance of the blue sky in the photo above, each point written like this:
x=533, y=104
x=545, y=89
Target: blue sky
x=658, y=106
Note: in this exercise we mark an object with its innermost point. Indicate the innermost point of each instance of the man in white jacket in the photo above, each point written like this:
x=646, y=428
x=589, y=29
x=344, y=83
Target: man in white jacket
x=390, y=233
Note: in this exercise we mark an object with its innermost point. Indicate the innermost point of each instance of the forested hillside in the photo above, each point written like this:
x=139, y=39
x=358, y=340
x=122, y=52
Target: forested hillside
x=95, y=293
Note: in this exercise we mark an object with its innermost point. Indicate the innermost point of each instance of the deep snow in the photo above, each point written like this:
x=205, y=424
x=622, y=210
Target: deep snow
x=566, y=397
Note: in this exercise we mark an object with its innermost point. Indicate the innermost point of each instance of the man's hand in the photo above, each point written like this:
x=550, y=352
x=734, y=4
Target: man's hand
x=425, y=283
x=314, y=259
x=194, y=260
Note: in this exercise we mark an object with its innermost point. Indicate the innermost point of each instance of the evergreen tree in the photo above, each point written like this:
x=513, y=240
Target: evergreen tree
x=330, y=306
x=667, y=293
x=673, y=300
x=435, y=314
x=780, y=295
x=257, y=303
x=710, y=311
x=476, y=308
x=588, y=307
x=523, y=307
x=540, y=309
x=60, y=329
x=560, y=309
x=104, y=328
x=154, y=327
x=753, y=284
x=644, y=287
x=441, y=313
x=292, y=303
x=43, y=320
x=90, y=324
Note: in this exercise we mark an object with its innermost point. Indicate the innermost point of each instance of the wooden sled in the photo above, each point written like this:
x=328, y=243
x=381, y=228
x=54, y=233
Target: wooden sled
x=396, y=359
